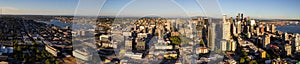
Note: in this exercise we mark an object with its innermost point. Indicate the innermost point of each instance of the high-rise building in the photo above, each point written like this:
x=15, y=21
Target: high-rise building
x=232, y=45
x=224, y=18
x=267, y=28
x=211, y=36
x=252, y=24
x=273, y=27
x=228, y=45
x=242, y=16
x=263, y=54
x=248, y=18
x=226, y=29
x=249, y=35
x=238, y=17
x=81, y=55
x=297, y=43
x=234, y=30
x=266, y=41
x=257, y=31
x=51, y=50
x=223, y=45
x=128, y=44
x=140, y=44
x=288, y=49
x=285, y=36
x=238, y=27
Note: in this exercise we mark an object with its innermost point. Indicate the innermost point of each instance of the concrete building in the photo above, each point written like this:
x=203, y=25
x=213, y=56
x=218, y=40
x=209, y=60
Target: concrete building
x=104, y=38
x=201, y=50
x=140, y=44
x=273, y=28
x=226, y=29
x=51, y=50
x=223, y=45
x=285, y=36
x=174, y=33
x=128, y=44
x=81, y=55
x=127, y=34
x=211, y=36
x=238, y=27
x=297, y=43
x=142, y=35
x=288, y=49
x=228, y=45
x=266, y=40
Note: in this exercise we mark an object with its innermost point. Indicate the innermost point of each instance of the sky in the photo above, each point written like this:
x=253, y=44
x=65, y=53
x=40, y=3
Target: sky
x=268, y=9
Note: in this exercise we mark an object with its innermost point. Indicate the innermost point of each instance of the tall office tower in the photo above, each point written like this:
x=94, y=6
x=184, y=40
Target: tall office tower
x=249, y=35
x=262, y=29
x=234, y=30
x=297, y=43
x=231, y=19
x=273, y=28
x=288, y=49
x=238, y=27
x=285, y=36
x=252, y=22
x=228, y=45
x=248, y=18
x=238, y=17
x=242, y=17
x=266, y=41
x=224, y=18
x=226, y=29
x=257, y=31
x=211, y=36
x=247, y=29
x=267, y=28
x=205, y=29
x=231, y=45
x=223, y=45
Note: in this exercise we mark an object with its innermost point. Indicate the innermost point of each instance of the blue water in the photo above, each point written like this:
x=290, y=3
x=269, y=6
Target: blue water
x=63, y=24
x=292, y=28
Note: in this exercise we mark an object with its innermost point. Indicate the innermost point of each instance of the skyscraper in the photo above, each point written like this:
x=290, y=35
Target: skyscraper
x=273, y=28
x=238, y=17
x=232, y=46
x=266, y=41
x=223, y=45
x=297, y=43
x=238, y=27
x=285, y=36
x=242, y=16
x=288, y=49
x=226, y=29
x=211, y=36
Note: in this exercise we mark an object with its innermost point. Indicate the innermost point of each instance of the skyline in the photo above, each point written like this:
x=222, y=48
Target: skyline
x=265, y=9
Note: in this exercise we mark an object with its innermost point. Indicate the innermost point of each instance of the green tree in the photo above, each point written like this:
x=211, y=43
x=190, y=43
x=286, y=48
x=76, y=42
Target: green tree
x=247, y=59
x=175, y=40
x=253, y=62
x=242, y=60
x=19, y=48
x=244, y=53
x=218, y=51
x=47, y=62
x=56, y=62
x=202, y=42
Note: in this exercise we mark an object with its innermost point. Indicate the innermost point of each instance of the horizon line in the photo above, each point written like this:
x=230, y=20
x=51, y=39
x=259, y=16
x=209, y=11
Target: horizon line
x=136, y=16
